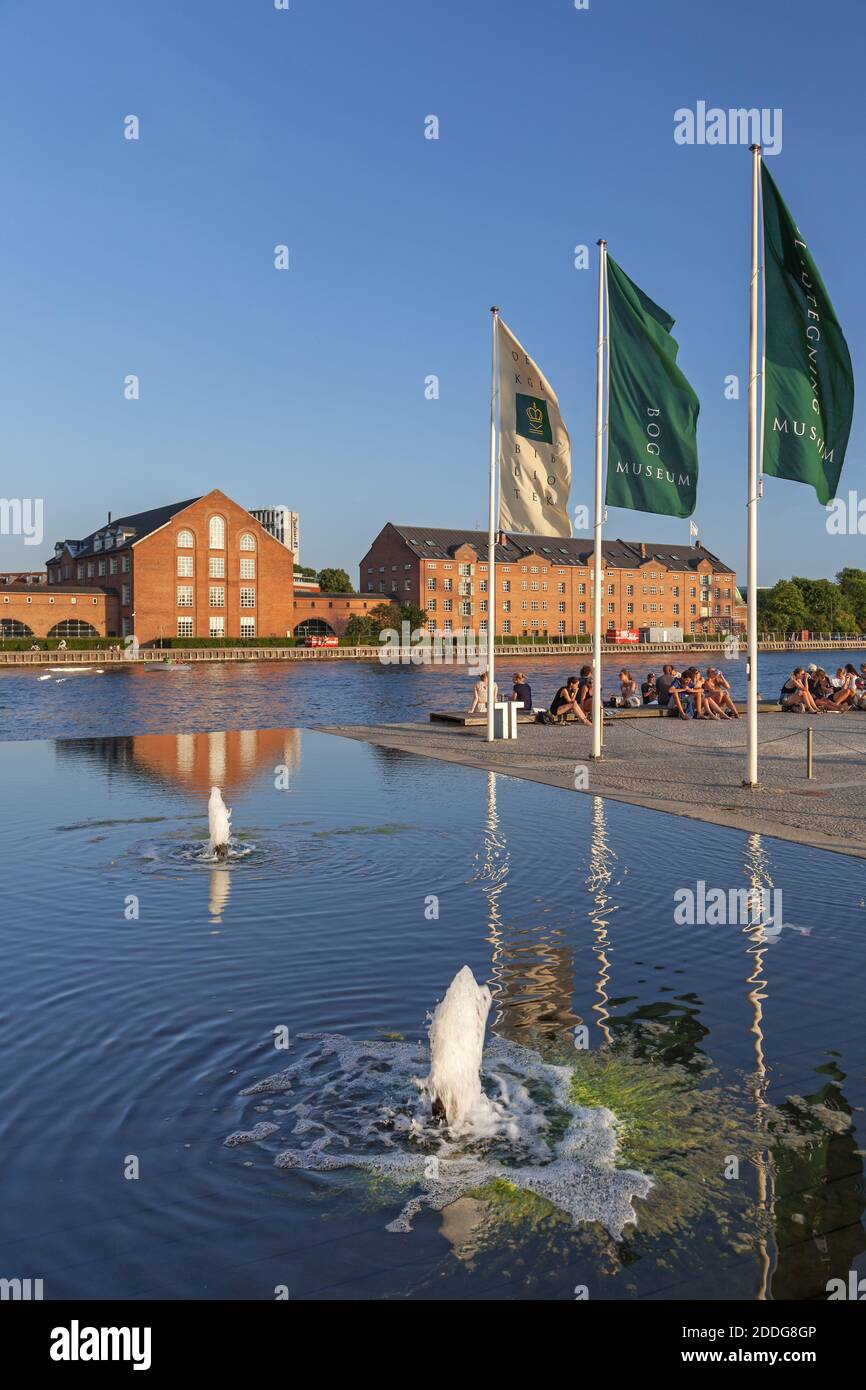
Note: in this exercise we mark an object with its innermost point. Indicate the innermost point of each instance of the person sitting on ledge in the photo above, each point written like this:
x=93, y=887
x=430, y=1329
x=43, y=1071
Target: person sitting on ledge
x=844, y=691
x=522, y=691
x=584, y=690
x=795, y=694
x=565, y=702
x=663, y=685
x=629, y=696
x=479, y=695
x=648, y=689
x=720, y=691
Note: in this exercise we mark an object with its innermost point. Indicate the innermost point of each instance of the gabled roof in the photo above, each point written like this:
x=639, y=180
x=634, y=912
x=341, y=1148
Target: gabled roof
x=140, y=523
x=436, y=543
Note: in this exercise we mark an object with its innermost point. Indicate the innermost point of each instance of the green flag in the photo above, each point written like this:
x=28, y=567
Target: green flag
x=808, y=382
x=652, y=451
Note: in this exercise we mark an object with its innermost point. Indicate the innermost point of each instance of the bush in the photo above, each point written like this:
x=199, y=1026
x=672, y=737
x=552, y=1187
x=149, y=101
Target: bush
x=52, y=644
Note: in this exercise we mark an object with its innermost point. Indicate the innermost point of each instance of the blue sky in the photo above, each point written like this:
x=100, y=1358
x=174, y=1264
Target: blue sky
x=306, y=127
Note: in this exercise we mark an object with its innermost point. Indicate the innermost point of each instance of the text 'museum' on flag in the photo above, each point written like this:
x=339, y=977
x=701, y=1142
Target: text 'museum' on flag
x=534, y=447
x=808, y=381
x=652, y=451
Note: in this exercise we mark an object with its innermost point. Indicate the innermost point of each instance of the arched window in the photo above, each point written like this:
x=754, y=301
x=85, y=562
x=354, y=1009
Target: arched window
x=217, y=533
x=10, y=627
x=73, y=627
x=248, y=541
x=185, y=540
x=314, y=627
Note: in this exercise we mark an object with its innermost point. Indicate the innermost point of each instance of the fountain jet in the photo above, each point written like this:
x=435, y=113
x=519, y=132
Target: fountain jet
x=218, y=824
x=456, y=1046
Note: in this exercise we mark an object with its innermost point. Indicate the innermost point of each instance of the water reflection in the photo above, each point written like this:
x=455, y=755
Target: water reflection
x=219, y=891
x=601, y=869
x=193, y=762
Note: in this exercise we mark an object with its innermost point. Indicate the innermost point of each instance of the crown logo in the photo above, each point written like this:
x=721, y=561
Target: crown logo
x=535, y=416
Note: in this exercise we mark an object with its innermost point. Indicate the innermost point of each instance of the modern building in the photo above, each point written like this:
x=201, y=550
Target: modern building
x=544, y=584
x=283, y=525
x=200, y=568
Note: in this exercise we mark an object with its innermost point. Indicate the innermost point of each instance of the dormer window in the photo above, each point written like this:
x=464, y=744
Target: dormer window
x=97, y=542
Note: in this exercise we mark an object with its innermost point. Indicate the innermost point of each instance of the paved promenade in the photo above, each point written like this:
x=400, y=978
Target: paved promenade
x=689, y=768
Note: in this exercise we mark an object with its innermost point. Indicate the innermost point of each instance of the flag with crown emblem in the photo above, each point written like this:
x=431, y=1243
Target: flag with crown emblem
x=534, y=447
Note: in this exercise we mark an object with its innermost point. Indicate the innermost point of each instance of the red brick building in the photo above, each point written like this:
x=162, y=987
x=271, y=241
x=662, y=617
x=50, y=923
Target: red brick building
x=201, y=568
x=544, y=584
x=58, y=610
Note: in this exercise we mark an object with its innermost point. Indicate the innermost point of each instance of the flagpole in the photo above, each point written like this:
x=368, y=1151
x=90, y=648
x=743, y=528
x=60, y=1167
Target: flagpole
x=599, y=505
x=491, y=533
x=751, y=778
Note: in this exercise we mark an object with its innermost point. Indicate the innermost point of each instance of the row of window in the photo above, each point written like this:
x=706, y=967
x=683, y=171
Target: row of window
x=216, y=627
x=216, y=537
x=216, y=567
x=216, y=596
x=29, y=599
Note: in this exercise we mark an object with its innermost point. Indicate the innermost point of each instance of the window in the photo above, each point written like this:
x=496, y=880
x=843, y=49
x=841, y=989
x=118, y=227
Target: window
x=581, y=608
x=611, y=608
x=184, y=627
x=560, y=627
x=482, y=585
x=447, y=584
x=184, y=566
x=217, y=533
x=73, y=627
x=217, y=627
x=484, y=606
x=248, y=599
x=448, y=604
x=124, y=563
x=464, y=569
x=465, y=608
x=560, y=607
x=431, y=583
x=560, y=588
x=506, y=586
x=185, y=541
x=248, y=541
x=248, y=567
x=124, y=595
x=248, y=627
x=581, y=588
x=216, y=567
x=101, y=568
x=611, y=589
x=431, y=605
x=533, y=605
x=184, y=596
x=506, y=627
x=581, y=627
x=216, y=596
x=112, y=565
x=80, y=571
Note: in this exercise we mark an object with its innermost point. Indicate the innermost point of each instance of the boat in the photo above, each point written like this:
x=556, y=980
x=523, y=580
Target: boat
x=168, y=666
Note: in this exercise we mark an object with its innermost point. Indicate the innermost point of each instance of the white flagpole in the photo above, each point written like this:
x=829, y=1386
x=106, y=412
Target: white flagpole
x=491, y=530
x=599, y=507
x=751, y=778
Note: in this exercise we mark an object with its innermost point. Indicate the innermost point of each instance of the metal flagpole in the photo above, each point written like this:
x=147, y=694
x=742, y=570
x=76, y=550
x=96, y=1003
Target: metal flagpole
x=751, y=778
x=491, y=531
x=599, y=507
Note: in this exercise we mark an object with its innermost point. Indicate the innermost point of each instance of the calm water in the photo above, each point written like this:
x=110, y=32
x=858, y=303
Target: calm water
x=132, y=1038
x=263, y=696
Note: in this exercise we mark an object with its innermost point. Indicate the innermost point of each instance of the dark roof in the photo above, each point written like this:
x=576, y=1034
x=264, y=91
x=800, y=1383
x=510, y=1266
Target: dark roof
x=438, y=544
x=89, y=589
x=141, y=523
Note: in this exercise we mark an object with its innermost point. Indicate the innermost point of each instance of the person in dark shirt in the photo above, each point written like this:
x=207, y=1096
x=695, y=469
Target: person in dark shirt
x=565, y=701
x=663, y=686
x=648, y=688
x=522, y=691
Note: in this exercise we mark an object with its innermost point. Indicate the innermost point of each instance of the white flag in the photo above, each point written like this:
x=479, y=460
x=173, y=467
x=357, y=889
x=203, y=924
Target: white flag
x=693, y=530
x=534, y=447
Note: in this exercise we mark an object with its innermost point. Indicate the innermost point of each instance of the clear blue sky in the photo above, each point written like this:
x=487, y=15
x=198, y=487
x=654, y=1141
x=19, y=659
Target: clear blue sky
x=305, y=127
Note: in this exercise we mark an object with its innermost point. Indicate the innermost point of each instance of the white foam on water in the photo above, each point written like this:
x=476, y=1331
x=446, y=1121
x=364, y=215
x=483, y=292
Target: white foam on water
x=361, y=1105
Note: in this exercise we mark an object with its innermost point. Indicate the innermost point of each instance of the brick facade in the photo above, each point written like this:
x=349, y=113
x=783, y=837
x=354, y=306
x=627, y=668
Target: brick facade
x=544, y=585
x=37, y=610
x=195, y=569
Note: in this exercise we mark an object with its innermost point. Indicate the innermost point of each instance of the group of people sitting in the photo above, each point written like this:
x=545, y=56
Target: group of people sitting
x=816, y=692
x=688, y=694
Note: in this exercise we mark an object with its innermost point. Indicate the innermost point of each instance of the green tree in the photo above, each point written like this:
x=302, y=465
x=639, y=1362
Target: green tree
x=361, y=631
x=335, y=581
x=827, y=610
x=304, y=572
x=782, y=608
x=852, y=586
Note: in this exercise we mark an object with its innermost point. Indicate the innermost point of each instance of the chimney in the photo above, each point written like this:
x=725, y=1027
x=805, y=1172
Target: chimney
x=643, y=550
x=109, y=518
x=501, y=538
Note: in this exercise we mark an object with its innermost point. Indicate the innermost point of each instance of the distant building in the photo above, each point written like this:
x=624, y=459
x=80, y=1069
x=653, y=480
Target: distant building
x=283, y=525
x=200, y=568
x=544, y=584
x=24, y=577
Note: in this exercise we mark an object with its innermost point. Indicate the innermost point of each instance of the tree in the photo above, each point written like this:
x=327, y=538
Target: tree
x=361, y=631
x=827, y=609
x=304, y=572
x=782, y=608
x=335, y=581
x=852, y=586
